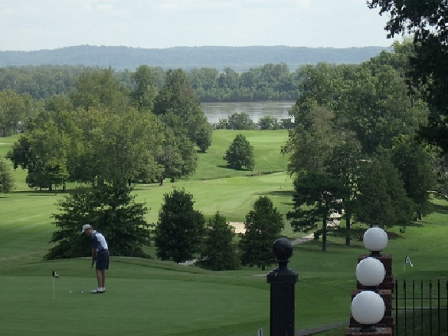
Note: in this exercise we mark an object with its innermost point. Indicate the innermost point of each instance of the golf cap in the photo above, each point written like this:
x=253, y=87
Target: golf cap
x=86, y=227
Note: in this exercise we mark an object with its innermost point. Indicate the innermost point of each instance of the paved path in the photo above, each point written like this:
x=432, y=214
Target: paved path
x=303, y=239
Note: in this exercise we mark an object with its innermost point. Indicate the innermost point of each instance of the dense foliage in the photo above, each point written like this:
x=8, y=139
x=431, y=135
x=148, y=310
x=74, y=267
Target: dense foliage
x=6, y=179
x=263, y=226
x=316, y=196
x=428, y=70
x=104, y=133
x=240, y=154
x=219, y=251
x=345, y=150
x=109, y=209
x=180, y=229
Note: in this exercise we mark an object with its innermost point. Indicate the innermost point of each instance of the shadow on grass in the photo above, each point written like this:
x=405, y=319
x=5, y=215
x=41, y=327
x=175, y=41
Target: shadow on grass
x=230, y=168
x=443, y=209
x=415, y=224
x=42, y=192
x=277, y=193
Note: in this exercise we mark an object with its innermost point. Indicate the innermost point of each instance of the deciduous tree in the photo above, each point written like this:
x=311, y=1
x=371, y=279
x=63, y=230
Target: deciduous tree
x=414, y=165
x=177, y=97
x=240, y=154
x=342, y=165
x=382, y=199
x=145, y=92
x=426, y=22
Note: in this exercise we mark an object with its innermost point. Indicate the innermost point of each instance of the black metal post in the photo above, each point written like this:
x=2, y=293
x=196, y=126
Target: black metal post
x=282, y=281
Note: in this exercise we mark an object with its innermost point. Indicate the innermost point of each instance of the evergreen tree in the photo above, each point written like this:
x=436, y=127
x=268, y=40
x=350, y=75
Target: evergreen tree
x=6, y=179
x=263, y=226
x=110, y=209
x=180, y=228
x=240, y=154
x=316, y=196
x=218, y=253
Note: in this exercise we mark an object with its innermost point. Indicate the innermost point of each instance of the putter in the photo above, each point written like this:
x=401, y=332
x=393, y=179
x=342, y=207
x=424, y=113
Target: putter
x=87, y=278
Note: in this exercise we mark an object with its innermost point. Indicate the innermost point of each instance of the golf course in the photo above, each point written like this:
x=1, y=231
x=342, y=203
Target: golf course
x=153, y=297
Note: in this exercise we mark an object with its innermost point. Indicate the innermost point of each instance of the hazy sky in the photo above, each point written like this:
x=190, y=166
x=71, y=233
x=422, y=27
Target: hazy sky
x=35, y=25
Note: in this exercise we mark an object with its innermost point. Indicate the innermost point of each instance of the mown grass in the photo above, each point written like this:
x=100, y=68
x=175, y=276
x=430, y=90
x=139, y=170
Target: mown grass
x=267, y=146
x=151, y=297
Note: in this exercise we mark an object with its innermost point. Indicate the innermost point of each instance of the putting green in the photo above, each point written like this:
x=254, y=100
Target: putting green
x=130, y=306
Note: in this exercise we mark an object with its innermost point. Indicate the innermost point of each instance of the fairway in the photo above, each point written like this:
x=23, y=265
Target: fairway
x=152, y=297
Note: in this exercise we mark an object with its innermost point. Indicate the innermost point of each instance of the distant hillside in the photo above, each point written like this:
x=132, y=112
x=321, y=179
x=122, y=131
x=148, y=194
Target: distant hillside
x=237, y=58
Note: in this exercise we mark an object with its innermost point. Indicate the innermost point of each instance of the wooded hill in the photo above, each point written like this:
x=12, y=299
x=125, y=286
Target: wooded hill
x=237, y=58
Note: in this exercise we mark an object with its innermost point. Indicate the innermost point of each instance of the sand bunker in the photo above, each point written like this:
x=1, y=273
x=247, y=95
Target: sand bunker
x=239, y=227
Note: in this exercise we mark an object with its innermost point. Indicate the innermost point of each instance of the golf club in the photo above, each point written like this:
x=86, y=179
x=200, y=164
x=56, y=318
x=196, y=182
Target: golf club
x=87, y=278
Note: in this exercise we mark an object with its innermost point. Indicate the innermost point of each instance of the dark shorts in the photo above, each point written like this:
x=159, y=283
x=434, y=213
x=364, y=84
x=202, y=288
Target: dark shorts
x=102, y=260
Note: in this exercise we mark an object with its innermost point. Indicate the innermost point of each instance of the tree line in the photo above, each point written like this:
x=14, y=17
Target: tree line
x=181, y=233
x=267, y=82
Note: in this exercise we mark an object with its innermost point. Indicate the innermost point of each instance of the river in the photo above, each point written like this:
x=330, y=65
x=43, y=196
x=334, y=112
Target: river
x=256, y=110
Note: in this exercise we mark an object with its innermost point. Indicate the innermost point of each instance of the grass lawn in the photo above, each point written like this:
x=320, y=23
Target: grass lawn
x=151, y=297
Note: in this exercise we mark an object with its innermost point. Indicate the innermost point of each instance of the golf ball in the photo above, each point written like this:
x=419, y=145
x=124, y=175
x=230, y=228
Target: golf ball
x=70, y=292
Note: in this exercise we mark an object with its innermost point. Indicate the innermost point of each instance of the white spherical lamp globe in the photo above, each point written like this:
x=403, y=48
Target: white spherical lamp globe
x=368, y=308
x=375, y=240
x=370, y=272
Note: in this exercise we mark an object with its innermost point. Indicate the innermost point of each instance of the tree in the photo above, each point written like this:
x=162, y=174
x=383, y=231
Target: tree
x=342, y=165
x=218, y=253
x=12, y=112
x=178, y=157
x=180, y=228
x=414, y=166
x=177, y=97
x=426, y=21
x=145, y=92
x=377, y=107
x=99, y=88
x=311, y=139
x=263, y=226
x=316, y=196
x=6, y=179
x=110, y=209
x=268, y=123
x=240, y=121
x=382, y=199
x=44, y=153
x=126, y=148
x=204, y=137
x=240, y=154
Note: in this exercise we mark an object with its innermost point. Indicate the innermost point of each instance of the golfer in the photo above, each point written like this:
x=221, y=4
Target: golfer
x=100, y=254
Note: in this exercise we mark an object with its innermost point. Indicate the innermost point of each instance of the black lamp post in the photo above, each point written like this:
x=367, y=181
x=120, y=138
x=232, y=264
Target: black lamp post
x=282, y=281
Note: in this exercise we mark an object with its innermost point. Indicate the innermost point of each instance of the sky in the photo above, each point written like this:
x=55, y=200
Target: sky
x=36, y=25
